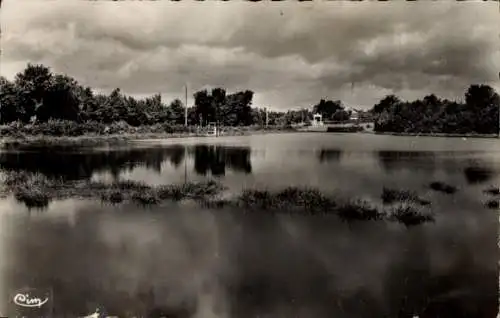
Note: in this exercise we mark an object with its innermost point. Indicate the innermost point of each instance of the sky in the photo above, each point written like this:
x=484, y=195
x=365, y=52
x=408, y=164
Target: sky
x=290, y=54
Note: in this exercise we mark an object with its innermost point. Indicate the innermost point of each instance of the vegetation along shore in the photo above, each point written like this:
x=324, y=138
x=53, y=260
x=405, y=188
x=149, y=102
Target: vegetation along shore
x=39, y=105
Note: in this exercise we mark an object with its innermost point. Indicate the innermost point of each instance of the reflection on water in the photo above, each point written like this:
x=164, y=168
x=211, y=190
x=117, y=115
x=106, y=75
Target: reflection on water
x=225, y=264
x=329, y=155
x=216, y=158
x=394, y=160
x=74, y=165
x=194, y=262
x=479, y=174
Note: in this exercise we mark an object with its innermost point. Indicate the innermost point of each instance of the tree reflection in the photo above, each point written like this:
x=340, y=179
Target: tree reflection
x=329, y=155
x=73, y=165
x=478, y=174
x=215, y=159
x=395, y=160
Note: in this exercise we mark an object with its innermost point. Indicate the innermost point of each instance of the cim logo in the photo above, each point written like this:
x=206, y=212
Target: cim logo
x=32, y=301
x=26, y=300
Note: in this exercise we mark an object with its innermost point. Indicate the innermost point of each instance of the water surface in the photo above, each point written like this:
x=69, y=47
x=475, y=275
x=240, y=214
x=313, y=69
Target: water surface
x=130, y=260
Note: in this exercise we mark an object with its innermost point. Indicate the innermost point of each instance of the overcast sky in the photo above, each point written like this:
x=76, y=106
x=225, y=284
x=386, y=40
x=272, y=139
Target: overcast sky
x=290, y=54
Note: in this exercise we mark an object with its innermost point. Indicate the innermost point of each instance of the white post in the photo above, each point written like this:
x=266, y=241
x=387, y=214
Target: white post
x=186, y=107
x=267, y=118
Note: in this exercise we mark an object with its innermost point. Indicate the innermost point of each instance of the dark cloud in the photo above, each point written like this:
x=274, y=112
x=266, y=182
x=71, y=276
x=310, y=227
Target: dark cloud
x=289, y=54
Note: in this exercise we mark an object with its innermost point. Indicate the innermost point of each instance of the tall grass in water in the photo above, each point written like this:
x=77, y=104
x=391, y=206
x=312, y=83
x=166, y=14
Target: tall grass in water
x=358, y=210
x=409, y=215
x=29, y=188
x=33, y=197
x=312, y=201
x=112, y=196
x=36, y=190
x=390, y=196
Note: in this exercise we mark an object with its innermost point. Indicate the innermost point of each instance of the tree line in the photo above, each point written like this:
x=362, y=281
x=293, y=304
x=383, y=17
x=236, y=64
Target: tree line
x=478, y=113
x=37, y=95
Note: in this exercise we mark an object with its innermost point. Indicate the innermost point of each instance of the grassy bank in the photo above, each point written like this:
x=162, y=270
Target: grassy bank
x=36, y=191
x=91, y=134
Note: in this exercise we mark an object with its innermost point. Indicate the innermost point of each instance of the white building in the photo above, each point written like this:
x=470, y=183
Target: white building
x=317, y=120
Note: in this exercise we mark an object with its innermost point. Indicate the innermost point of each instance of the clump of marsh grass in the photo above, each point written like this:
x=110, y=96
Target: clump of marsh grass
x=112, y=196
x=291, y=198
x=173, y=192
x=33, y=197
x=260, y=199
x=390, y=196
x=308, y=198
x=216, y=204
x=27, y=179
x=492, y=190
x=358, y=210
x=202, y=189
x=409, y=215
x=440, y=186
x=146, y=197
x=131, y=185
x=192, y=190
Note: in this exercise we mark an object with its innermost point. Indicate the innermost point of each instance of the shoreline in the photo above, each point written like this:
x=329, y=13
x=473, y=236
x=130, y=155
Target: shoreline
x=440, y=135
x=96, y=140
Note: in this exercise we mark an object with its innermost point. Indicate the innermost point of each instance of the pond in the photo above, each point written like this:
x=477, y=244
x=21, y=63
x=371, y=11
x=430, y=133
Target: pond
x=131, y=261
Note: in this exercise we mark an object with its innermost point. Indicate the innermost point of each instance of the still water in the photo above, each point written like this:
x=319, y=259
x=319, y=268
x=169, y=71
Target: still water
x=193, y=262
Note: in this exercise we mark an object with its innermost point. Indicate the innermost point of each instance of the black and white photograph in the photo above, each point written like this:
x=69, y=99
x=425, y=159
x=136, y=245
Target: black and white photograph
x=249, y=159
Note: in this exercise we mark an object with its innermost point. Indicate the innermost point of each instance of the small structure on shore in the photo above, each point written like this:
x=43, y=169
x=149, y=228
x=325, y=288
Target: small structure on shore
x=317, y=120
x=212, y=129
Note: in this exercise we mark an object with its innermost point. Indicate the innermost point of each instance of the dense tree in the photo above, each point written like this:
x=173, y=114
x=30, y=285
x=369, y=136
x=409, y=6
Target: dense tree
x=203, y=107
x=176, y=112
x=341, y=115
x=60, y=100
x=32, y=85
x=327, y=108
x=479, y=113
x=9, y=104
x=232, y=110
x=386, y=104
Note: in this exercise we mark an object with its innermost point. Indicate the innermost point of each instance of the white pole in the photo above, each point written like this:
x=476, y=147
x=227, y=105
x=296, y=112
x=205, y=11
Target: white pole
x=186, y=107
x=267, y=118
